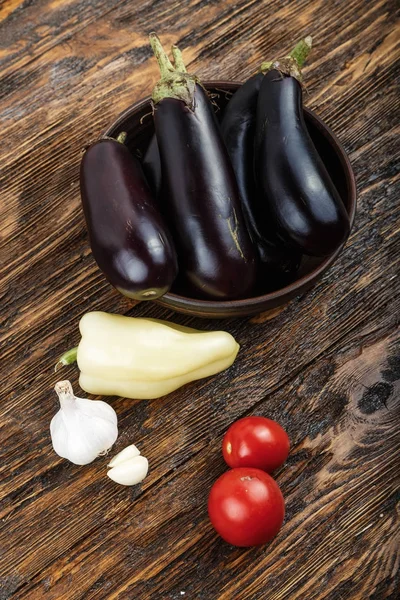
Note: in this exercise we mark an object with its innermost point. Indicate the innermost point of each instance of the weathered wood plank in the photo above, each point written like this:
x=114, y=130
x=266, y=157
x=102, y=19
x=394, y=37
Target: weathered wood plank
x=337, y=411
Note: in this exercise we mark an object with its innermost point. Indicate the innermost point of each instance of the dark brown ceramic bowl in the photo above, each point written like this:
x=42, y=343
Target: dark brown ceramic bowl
x=138, y=123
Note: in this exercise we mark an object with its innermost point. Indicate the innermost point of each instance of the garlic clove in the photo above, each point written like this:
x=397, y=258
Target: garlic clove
x=130, y=472
x=82, y=429
x=125, y=454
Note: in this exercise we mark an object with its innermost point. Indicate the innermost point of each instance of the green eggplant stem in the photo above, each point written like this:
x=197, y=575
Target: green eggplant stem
x=165, y=65
x=293, y=63
x=121, y=137
x=301, y=51
x=175, y=81
x=178, y=59
x=67, y=358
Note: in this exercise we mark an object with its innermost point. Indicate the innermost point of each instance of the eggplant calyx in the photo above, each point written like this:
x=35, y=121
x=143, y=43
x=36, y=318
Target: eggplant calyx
x=175, y=81
x=121, y=137
x=292, y=64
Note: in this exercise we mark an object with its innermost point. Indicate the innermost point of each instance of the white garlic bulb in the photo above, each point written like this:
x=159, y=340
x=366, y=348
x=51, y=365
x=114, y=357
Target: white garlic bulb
x=128, y=467
x=82, y=429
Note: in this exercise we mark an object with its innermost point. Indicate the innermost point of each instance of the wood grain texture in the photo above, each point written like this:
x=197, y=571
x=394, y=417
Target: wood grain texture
x=327, y=365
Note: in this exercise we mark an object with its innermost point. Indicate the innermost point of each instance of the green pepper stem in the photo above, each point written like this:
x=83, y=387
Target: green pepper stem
x=121, y=137
x=67, y=358
x=301, y=51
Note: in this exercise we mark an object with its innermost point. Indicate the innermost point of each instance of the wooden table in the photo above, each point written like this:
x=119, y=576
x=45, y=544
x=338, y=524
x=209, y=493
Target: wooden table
x=326, y=366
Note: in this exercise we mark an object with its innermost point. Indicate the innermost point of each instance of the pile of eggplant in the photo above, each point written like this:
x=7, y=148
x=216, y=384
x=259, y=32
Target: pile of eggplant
x=223, y=209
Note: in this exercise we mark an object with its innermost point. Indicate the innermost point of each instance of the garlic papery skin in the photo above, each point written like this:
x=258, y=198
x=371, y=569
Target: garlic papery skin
x=130, y=471
x=125, y=454
x=82, y=429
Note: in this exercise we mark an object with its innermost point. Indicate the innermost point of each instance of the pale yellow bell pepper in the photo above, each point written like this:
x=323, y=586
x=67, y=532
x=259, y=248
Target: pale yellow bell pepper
x=145, y=358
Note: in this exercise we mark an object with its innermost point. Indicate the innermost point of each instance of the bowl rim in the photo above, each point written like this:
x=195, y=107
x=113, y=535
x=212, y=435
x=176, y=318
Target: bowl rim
x=173, y=300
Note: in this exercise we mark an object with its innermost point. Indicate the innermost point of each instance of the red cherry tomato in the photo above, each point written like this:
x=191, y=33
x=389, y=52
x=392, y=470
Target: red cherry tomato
x=255, y=442
x=246, y=507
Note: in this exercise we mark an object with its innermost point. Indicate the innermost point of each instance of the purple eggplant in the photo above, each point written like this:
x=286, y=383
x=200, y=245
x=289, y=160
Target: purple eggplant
x=215, y=253
x=152, y=167
x=238, y=128
x=277, y=263
x=129, y=240
x=295, y=190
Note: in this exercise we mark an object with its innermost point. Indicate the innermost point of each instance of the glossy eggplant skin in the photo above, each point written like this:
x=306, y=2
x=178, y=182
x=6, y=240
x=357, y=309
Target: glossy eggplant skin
x=238, y=128
x=152, y=167
x=294, y=185
x=277, y=264
x=215, y=253
x=128, y=237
